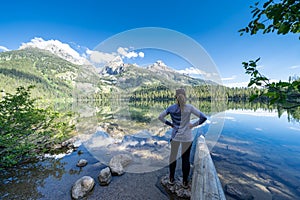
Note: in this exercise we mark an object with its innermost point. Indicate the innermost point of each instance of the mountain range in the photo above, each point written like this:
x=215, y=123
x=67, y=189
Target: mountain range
x=57, y=70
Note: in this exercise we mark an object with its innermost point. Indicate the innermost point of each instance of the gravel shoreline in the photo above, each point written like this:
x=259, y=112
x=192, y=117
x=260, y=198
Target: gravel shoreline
x=127, y=186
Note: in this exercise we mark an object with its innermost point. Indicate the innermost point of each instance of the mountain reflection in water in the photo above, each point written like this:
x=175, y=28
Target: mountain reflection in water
x=256, y=150
x=127, y=127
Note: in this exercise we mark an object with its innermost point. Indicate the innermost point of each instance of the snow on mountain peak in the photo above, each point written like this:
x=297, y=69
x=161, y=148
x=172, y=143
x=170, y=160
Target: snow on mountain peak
x=159, y=65
x=56, y=47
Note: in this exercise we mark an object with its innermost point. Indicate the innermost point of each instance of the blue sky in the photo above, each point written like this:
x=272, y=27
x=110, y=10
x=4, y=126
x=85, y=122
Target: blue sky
x=213, y=24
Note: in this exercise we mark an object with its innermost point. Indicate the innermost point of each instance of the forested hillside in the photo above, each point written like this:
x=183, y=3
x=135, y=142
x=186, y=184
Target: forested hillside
x=52, y=76
x=56, y=78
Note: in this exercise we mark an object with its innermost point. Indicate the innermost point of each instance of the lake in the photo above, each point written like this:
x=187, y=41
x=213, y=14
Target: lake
x=255, y=151
x=260, y=152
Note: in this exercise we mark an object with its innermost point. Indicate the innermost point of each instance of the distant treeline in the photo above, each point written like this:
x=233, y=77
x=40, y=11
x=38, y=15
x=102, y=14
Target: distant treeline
x=201, y=92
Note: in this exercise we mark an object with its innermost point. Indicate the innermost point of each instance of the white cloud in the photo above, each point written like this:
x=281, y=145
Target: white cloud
x=191, y=71
x=236, y=84
x=44, y=44
x=294, y=67
x=257, y=113
x=131, y=54
x=245, y=83
x=197, y=73
x=3, y=48
x=141, y=54
x=62, y=50
x=228, y=118
x=100, y=57
x=294, y=128
x=229, y=78
x=124, y=52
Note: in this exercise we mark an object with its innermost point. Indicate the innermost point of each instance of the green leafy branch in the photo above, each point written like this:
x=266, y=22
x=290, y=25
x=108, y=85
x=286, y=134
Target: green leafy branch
x=283, y=17
x=283, y=94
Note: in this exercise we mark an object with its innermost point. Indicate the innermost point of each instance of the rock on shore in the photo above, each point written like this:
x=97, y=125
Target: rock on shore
x=118, y=162
x=82, y=187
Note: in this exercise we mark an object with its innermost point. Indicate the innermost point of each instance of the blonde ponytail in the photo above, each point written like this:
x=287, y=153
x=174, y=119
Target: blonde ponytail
x=181, y=101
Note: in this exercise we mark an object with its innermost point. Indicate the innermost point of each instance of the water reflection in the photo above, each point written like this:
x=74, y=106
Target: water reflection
x=256, y=149
x=149, y=152
x=48, y=178
x=259, y=151
x=23, y=182
x=123, y=126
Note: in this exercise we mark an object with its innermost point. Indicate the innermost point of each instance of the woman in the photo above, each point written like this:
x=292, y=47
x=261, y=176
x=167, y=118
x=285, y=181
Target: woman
x=181, y=134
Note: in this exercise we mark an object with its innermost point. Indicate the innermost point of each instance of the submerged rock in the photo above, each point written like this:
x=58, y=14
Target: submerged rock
x=238, y=192
x=81, y=163
x=105, y=176
x=118, y=162
x=256, y=166
x=82, y=187
x=278, y=194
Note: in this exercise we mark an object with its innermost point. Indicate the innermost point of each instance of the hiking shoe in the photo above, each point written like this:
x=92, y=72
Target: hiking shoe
x=171, y=181
x=185, y=184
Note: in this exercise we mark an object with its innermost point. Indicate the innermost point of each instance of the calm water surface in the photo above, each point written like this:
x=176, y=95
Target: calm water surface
x=257, y=151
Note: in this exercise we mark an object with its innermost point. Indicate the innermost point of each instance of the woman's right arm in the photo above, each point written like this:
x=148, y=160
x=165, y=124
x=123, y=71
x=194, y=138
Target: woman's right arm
x=162, y=116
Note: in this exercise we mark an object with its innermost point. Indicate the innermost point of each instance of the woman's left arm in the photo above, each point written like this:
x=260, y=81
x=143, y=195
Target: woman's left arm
x=198, y=113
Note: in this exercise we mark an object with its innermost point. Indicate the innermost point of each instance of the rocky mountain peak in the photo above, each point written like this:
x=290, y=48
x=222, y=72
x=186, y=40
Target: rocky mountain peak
x=159, y=65
x=114, y=67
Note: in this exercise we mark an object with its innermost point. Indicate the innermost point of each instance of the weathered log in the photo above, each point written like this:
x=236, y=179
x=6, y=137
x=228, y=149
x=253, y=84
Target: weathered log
x=205, y=182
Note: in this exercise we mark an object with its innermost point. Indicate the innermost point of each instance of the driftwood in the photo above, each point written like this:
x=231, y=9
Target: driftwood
x=206, y=184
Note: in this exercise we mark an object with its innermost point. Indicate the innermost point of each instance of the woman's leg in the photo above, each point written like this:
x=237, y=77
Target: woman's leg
x=186, y=149
x=172, y=159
